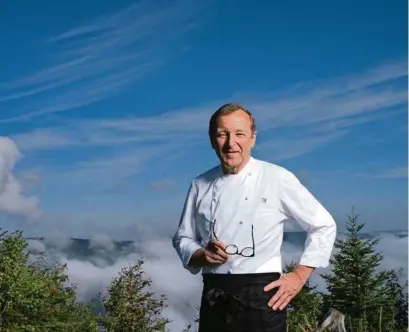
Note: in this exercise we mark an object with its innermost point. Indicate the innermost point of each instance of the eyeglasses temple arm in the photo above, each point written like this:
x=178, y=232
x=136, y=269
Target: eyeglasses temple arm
x=252, y=237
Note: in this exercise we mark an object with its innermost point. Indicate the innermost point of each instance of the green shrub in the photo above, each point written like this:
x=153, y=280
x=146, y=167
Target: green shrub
x=129, y=304
x=34, y=297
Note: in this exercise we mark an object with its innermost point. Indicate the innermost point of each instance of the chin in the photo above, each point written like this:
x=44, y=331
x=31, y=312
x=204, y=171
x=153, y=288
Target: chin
x=232, y=162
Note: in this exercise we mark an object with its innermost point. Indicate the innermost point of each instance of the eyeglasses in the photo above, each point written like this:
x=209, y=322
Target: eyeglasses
x=233, y=249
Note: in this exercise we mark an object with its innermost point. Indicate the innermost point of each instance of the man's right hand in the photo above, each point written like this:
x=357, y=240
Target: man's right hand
x=212, y=254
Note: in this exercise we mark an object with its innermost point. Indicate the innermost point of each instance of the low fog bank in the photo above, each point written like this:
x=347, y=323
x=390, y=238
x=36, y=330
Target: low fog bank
x=93, y=263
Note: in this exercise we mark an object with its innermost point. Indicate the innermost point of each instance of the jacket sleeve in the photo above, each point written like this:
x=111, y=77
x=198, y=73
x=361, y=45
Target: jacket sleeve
x=184, y=240
x=301, y=205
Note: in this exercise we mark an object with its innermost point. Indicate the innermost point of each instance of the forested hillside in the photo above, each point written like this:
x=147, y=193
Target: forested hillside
x=38, y=296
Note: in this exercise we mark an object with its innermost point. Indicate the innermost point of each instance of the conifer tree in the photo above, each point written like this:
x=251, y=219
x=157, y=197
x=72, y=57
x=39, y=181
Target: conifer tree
x=130, y=305
x=355, y=287
x=396, y=302
x=37, y=298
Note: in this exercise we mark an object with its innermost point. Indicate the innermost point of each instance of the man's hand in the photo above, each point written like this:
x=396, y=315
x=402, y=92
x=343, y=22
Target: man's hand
x=290, y=284
x=213, y=254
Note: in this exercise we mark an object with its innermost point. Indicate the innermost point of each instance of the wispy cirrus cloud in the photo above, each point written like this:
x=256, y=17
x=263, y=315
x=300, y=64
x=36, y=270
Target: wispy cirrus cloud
x=281, y=149
x=115, y=169
x=162, y=184
x=107, y=172
x=320, y=113
x=389, y=173
x=98, y=59
x=291, y=123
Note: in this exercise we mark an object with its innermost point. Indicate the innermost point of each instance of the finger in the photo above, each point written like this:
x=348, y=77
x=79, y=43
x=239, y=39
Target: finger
x=275, y=298
x=215, y=248
x=220, y=244
x=222, y=253
x=215, y=258
x=282, y=302
x=285, y=304
x=272, y=285
x=212, y=261
x=211, y=245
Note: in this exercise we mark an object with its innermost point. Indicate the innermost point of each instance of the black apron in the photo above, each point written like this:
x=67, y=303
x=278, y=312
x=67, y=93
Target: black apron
x=238, y=303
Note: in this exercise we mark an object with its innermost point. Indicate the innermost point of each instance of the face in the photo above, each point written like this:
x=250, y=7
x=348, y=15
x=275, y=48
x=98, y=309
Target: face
x=234, y=140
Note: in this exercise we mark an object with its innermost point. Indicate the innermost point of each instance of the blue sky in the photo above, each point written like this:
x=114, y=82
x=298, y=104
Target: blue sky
x=104, y=106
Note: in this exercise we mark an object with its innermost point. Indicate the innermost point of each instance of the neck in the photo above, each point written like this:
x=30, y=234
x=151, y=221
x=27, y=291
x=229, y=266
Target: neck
x=235, y=169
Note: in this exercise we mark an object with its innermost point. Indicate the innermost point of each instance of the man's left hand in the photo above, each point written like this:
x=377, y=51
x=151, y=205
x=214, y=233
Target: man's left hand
x=290, y=284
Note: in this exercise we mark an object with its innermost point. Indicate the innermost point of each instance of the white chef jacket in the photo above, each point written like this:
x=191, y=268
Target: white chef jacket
x=262, y=195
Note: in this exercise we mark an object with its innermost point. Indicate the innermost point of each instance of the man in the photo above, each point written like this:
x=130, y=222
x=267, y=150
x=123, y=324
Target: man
x=231, y=228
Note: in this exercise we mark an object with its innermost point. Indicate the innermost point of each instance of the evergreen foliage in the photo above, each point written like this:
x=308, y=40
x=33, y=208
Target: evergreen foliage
x=37, y=297
x=369, y=297
x=130, y=306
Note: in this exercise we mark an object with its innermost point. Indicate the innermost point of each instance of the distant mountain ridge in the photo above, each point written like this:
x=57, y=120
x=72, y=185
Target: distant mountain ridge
x=103, y=252
x=83, y=249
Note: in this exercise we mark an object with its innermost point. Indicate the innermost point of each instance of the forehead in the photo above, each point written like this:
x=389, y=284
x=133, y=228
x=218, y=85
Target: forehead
x=234, y=121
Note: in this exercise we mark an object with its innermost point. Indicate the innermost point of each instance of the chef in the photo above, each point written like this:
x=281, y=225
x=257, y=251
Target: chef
x=231, y=229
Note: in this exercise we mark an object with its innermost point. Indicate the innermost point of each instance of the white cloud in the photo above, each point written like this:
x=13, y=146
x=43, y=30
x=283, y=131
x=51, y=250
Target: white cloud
x=12, y=200
x=395, y=251
x=95, y=60
x=390, y=173
x=102, y=242
x=337, y=105
x=55, y=237
x=318, y=112
x=163, y=266
x=35, y=247
x=162, y=184
x=29, y=178
x=284, y=149
x=114, y=169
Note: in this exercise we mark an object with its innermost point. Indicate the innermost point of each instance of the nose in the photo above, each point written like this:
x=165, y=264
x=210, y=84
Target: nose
x=231, y=141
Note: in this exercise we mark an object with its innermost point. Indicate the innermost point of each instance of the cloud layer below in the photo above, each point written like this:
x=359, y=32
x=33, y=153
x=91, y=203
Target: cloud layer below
x=93, y=274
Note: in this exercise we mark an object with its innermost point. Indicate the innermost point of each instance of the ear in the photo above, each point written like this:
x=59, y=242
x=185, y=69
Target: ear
x=212, y=143
x=254, y=136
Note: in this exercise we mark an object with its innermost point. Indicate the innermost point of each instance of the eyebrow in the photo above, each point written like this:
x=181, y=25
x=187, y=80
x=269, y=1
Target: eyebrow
x=224, y=130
